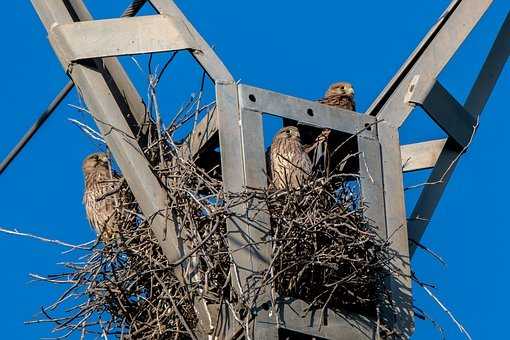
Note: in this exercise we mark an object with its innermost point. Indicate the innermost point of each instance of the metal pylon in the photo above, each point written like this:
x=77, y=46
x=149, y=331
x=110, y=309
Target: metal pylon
x=87, y=49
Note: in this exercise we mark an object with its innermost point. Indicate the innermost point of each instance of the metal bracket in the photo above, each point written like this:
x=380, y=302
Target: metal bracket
x=117, y=37
x=445, y=110
x=305, y=111
x=421, y=156
x=339, y=325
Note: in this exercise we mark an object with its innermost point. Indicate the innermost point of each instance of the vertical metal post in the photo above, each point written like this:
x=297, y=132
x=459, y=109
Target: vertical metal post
x=254, y=160
x=371, y=182
x=243, y=162
x=396, y=224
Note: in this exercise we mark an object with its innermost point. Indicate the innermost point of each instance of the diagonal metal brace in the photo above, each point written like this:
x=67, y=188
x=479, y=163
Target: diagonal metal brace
x=444, y=109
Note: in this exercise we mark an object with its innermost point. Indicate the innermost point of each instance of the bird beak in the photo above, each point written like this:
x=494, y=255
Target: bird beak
x=350, y=91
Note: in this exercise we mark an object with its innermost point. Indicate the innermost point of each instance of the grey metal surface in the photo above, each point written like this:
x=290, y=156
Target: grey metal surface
x=258, y=224
x=446, y=111
x=429, y=58
x=490, y=72
x=305, y=111
x=373, y=187
x=371, y=181
x=396, y=225
x=447, y=162
x=117, y=37
x=379, y=175
x=421, y=156
x=241, y=143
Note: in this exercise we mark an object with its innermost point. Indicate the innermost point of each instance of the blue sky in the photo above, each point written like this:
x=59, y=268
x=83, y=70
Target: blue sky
x=297, y=48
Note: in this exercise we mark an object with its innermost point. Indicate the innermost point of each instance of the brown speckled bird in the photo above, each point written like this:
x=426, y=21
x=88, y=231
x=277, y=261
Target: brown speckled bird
x=100, y=180
x=290, y=165
x=340, y=95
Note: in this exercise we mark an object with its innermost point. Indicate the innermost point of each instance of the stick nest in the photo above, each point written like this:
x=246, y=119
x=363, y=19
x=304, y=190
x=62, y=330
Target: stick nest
x=324, y=252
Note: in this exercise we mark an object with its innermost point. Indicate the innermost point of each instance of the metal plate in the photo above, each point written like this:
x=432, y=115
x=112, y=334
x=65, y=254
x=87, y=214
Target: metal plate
x=117, y=37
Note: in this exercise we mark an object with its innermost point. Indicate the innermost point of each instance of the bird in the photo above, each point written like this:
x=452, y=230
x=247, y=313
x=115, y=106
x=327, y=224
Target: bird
x=290, y=164
x=324, y=143
x=340, y=95
x=101, y=198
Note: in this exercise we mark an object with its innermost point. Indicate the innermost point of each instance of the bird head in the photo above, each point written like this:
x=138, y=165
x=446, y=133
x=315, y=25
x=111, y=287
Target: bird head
x=288, y=132
x=340, y=89
x=94, y=161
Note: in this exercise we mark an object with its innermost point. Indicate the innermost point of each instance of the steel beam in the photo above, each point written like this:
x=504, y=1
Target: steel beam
x=429, y=59
x=371, y=182
x=117, y=37
x=396, y=227
x=305, y=111
x=373, y=165
x=445, y=110
x=242, y=148
x=373, y=193
x=490, y=72
x=421, y=156
x=258, y=225
x=475, y=103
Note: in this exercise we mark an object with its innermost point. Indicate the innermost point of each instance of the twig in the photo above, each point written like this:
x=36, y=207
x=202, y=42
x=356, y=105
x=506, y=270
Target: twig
x=61, y=243
x=88, y=130
x=443, y=307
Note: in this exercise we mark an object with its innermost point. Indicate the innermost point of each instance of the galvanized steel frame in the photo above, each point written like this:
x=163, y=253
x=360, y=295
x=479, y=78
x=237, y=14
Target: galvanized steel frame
x=254, y=102
x=87, y=53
